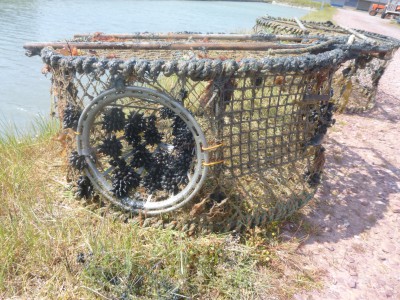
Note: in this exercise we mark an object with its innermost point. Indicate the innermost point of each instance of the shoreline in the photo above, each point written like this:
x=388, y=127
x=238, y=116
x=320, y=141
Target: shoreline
x=265, y=1
x=294, y=6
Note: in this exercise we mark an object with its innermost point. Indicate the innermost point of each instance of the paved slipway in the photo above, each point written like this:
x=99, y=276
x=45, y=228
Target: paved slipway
x=355, y=219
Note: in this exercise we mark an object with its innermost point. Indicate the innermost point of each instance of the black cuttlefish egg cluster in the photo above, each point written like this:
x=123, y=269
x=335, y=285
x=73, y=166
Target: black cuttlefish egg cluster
x=77, y=161
x=85, y=188
x=151, y=134
x=135, y=125
x=124, y=179
x=111, y=146
x=71, y=116
x=114, y=120
x=323, y=118
x=148, y=165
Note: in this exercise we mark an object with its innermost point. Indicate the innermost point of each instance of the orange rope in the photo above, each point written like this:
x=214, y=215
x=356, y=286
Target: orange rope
x=212, y=147
x=213, y=163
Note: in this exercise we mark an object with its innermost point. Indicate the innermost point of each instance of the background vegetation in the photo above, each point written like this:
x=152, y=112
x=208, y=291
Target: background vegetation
x=325, y=14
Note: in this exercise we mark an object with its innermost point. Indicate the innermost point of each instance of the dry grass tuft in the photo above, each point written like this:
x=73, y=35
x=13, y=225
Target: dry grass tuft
x=54, y=246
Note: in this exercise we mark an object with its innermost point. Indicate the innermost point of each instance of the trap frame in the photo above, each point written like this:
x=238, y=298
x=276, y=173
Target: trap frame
x=356, y=82
x=232, y=123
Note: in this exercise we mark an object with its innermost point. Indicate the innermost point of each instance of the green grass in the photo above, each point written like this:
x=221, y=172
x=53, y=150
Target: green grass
x=53, y=246
x=325, y=14
x=304, y=3
x=319, y=15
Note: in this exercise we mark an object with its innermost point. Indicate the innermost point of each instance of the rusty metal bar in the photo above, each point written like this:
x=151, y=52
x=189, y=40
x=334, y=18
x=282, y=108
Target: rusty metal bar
x=185, y=36
x=261, y=46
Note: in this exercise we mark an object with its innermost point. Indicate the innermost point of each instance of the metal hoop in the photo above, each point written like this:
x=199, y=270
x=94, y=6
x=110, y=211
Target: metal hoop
x=98, y=179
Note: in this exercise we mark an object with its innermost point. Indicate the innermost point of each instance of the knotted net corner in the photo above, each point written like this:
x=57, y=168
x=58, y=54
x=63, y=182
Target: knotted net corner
x=217, y=120
x=356, y=81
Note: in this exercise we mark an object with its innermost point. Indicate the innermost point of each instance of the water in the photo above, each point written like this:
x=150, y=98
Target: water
x=24, y=91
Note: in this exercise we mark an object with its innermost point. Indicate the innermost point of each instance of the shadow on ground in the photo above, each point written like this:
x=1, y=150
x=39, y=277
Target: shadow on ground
x=386, y=111
x=354, y=195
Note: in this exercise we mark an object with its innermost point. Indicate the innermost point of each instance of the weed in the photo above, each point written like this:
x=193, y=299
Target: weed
x=54, y=246
x=325, y=14
x=306, y=3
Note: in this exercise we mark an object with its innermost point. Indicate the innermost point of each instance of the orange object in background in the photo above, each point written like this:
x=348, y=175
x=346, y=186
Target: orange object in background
x=376, y=8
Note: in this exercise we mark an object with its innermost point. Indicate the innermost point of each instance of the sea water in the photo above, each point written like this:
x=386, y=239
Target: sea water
x=24, y=91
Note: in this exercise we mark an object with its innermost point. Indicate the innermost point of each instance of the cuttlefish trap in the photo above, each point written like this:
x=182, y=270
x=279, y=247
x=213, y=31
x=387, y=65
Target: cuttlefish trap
x=356, y=82
x=231, y=123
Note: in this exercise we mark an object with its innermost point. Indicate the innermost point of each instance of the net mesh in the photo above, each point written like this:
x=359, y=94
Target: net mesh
x=264, y=115
x=355, y=83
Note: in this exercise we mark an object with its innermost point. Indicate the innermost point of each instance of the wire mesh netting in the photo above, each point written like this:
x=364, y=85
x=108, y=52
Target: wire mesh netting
x=355, y=83
x=233, y=124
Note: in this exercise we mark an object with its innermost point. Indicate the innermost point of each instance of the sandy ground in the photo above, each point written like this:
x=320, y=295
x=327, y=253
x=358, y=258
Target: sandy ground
x=355, y=220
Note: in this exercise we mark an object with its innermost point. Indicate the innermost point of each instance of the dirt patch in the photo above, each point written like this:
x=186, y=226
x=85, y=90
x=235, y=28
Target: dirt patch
x=356, y=214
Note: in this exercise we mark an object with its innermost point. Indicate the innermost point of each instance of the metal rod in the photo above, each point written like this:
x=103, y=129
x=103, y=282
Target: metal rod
x=165, y=46
x=185, y=36
x=302, y=27
x=359, y=35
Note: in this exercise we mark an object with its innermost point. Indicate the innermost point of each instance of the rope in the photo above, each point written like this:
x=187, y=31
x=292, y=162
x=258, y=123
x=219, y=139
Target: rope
x=212, y=147
x=205, y=69
x=213, y=163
